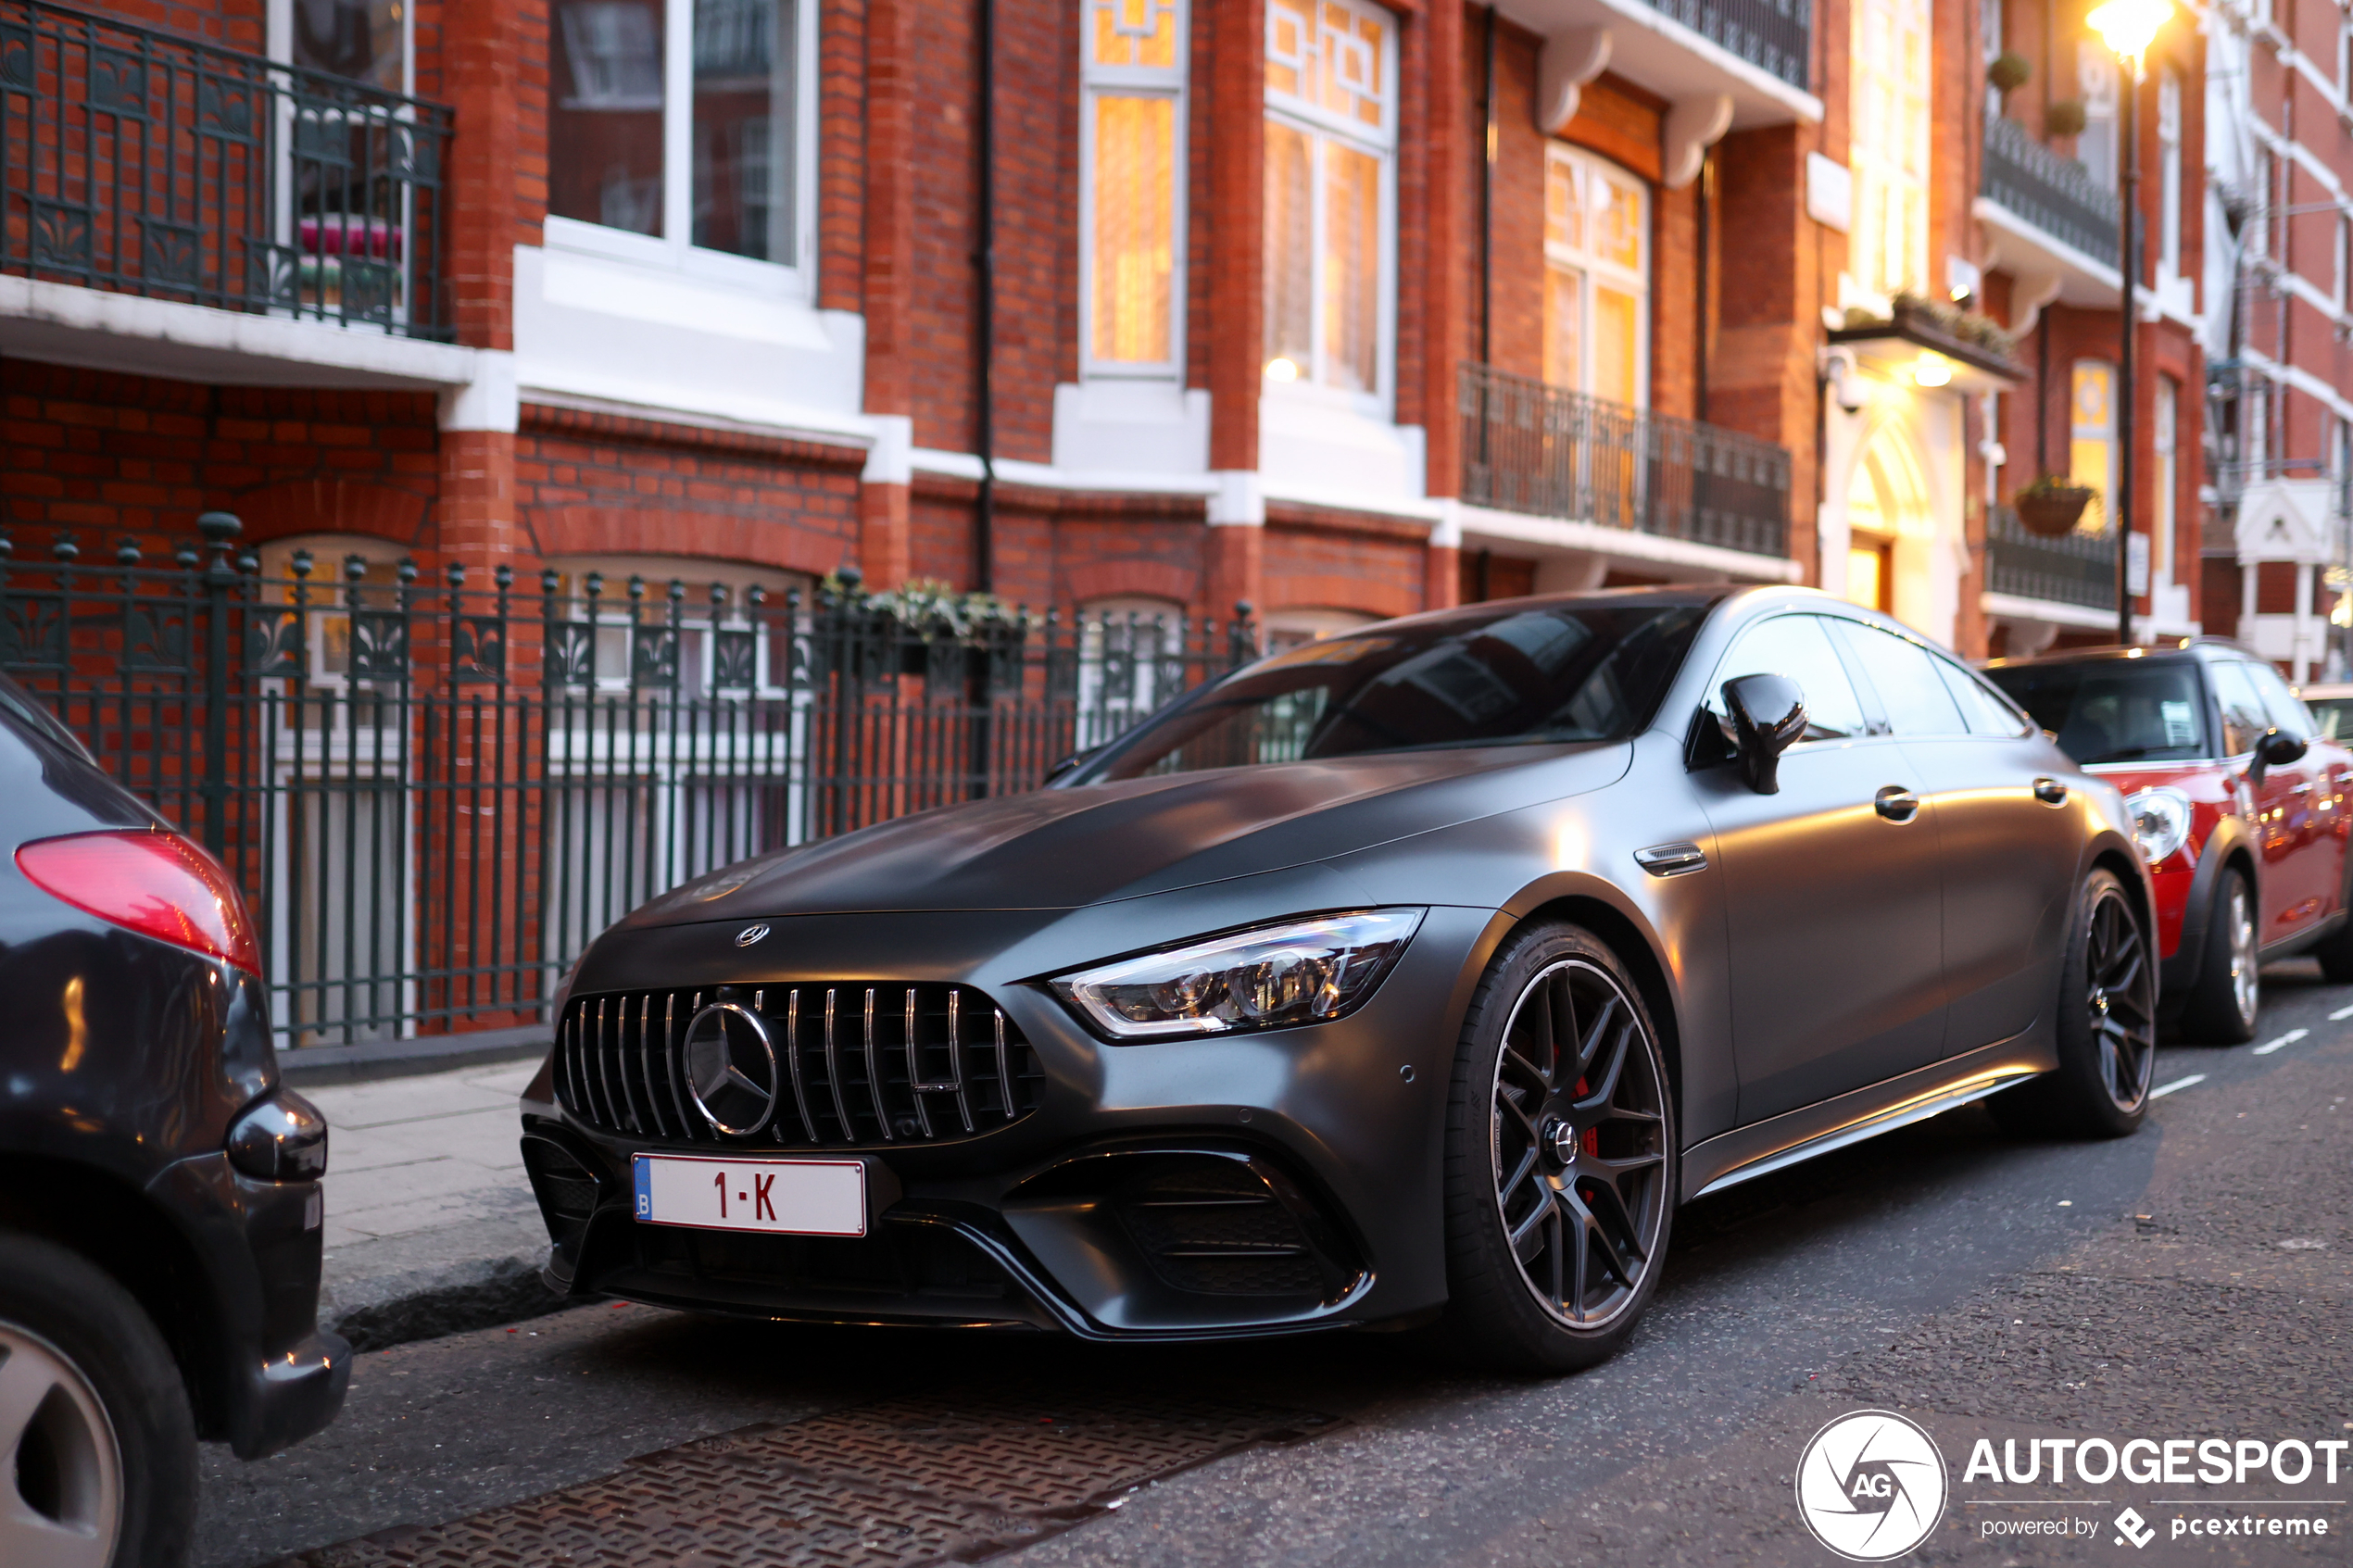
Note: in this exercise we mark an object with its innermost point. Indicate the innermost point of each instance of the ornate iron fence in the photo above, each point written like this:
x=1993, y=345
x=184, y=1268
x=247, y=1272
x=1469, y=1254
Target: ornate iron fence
x=1776, y=35
x=2057, y=195
x=435, y=793
x=146, y=163
x=2074, y=568
x=1531, y=448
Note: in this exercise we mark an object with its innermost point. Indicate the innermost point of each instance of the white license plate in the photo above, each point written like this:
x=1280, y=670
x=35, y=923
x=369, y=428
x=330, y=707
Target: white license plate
x=786, y=1196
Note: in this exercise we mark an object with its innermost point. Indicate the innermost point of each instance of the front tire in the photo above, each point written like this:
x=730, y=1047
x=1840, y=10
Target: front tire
x=2223, y=1005
x=2106, y=1025
x=1561, y=1158
x=95, y=1434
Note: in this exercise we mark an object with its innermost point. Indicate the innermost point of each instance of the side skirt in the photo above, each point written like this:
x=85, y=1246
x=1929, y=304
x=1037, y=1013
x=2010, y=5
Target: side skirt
x=1744, y=1153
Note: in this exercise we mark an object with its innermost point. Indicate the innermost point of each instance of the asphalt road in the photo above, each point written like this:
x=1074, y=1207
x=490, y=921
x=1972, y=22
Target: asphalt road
x=2190, y=1282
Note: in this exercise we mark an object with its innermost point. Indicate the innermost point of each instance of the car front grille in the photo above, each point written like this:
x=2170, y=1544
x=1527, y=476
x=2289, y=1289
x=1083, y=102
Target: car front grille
x=857, y=1063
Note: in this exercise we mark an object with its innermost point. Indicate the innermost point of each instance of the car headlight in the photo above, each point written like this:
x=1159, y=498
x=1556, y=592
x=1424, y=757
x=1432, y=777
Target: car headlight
x=2160, y=821
x=1298, y=971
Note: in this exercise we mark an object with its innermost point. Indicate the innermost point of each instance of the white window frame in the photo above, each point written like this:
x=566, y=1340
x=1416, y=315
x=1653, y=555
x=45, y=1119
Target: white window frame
x=1880, y=171
x=1321, y=126
x=1590, y=264
x=1097, y=82
x=616, y=611
x=671, y=252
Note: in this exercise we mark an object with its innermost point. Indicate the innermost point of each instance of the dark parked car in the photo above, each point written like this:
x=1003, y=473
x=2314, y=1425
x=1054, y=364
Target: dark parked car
x=159, y=1200
x=2239, y=798
x=1411, y=975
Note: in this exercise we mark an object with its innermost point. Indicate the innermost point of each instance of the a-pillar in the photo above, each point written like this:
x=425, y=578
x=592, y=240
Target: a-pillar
x=1236, y=305
x=1442, y=295
x=889, y=280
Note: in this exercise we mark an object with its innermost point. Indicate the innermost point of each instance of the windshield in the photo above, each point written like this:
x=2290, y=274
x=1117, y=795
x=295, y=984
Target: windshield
x=2114, y=710
x=1585, y=670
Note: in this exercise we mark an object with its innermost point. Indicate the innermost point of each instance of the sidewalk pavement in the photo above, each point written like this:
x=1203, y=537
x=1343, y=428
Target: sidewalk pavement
x=430, y=1227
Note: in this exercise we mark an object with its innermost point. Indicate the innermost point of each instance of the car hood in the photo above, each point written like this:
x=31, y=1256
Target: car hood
x=1067, y=848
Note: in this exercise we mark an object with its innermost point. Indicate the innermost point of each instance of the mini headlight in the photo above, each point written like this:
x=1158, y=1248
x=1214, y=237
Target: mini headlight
x=2160, y=821
x=1299, y=971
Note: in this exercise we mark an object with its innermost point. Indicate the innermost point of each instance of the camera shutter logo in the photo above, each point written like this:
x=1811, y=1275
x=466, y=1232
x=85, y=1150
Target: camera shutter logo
x=731, y=1069
x=1872, y=1485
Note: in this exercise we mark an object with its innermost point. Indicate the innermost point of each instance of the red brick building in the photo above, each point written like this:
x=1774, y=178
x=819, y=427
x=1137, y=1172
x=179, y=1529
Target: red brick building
x=1337, y=308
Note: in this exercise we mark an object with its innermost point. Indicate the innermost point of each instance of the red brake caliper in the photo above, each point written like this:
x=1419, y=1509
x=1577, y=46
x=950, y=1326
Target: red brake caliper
x=1591, y=1139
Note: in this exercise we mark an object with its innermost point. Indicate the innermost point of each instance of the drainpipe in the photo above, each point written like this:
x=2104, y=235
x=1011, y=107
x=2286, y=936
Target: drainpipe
x=985, y=309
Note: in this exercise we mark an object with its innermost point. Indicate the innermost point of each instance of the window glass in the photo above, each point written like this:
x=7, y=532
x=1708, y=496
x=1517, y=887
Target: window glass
x=1890, y=88
x=2114, y=710
x=361, y=40
x=604, y=126
x=1904, y=674
x=2287, y=714
x=1134, y=78
x=1987, y=712
x=1566, y=671
x=1799, y=647
x=1596, y=318
x=743, y=167
x=2091, y=449
x=2244, y=720
x=2332, y=717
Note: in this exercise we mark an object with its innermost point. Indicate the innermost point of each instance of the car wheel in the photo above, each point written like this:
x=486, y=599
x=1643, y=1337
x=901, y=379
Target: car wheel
x=1561, y=1158
x=94, y=1426
x=2107, y=1021
x=2222, y=1004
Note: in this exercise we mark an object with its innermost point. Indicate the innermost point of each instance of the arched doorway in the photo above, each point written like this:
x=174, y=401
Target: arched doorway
x=1889, y=523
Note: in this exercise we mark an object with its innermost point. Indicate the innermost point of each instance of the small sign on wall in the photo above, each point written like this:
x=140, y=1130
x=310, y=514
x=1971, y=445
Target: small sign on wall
x=2136, y=564
x=1829, y=192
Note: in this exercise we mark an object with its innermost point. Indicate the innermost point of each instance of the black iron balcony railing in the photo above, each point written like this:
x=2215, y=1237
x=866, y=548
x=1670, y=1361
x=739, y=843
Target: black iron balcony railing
x=142, y=162
x=2057, y=195
x=1530, y=447
x=1776, y=35
x=2074, y=568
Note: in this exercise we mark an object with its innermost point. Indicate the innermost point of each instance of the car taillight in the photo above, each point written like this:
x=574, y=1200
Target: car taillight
x=156, y=883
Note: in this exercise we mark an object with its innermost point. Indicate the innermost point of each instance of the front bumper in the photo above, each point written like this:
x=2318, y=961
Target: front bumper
x=275, y=1375
x=1202, y=1188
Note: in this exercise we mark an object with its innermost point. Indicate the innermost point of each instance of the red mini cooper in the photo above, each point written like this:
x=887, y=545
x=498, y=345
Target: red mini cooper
x=2238, y=800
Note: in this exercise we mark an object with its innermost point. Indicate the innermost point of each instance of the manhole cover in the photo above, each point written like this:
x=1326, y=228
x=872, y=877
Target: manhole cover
x=883, y=1484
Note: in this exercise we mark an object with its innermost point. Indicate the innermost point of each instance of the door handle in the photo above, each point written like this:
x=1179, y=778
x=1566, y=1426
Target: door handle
x=2050, y=791
x=1896, y=803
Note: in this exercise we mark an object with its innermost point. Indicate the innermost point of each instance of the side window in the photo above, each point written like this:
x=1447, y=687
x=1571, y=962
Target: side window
x=1980, y=704
x=2285, y=711
x=1799, y=647
x=1904, y=674
x=2244, y=720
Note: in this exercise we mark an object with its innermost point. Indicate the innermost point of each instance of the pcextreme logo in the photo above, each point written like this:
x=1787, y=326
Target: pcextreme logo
x=1871, y=1485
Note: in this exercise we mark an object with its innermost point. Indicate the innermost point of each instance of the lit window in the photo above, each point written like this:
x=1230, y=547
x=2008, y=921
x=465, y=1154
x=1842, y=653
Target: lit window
x=2168, y=143
x=1597, y=272
x=680, y=122
x=1330, y=136
x=2169, y=398
x=2091, y=452
x=1132, y=146
x=1888, y=246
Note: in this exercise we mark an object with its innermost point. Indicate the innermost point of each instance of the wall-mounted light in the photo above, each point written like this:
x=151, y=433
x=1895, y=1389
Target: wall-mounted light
x=1932, y=371
x=1279, y=369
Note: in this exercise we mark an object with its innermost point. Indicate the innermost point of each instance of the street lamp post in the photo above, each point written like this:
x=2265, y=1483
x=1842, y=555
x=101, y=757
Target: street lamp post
x=2127, y=27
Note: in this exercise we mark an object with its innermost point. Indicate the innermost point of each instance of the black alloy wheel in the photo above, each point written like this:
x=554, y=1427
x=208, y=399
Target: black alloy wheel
x=1561, y=1158
x=2106, y=1025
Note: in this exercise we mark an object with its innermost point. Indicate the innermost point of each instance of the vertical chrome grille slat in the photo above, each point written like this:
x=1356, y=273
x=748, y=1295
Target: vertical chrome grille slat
x=873, y=1073
x=1004, y=1067
x=833, y=1073
x=792, y=1060
x=617, y=1083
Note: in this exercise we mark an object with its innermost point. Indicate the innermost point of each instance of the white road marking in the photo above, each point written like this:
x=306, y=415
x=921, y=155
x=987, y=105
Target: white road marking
x=2164, y=1090
x=2340, y=1015
x=2268, y=1046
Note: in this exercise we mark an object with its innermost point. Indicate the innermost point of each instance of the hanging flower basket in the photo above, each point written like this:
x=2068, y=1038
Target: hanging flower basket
x=2052, y=510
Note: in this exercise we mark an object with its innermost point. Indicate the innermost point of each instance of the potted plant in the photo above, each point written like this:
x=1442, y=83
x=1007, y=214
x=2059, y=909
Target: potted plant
x=2052, y=506
x=2009, y=71
x=2064, y=118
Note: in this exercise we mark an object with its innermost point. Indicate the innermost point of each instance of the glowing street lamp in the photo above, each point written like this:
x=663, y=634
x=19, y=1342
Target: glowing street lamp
x=2128, y=27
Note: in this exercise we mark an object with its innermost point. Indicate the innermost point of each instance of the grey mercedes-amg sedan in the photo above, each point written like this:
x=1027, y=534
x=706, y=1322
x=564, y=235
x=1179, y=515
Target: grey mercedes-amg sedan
x=1412, y=976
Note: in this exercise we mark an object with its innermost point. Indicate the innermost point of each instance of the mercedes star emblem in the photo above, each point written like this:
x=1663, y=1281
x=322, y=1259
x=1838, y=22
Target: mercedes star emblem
x=731, y=1069
x=751, y=934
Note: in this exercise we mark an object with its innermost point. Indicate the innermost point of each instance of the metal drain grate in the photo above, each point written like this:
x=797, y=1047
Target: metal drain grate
x=887, y=1485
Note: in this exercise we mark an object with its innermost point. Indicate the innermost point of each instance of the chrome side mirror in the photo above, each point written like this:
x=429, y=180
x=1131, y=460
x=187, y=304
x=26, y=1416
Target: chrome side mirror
x=1769, y=717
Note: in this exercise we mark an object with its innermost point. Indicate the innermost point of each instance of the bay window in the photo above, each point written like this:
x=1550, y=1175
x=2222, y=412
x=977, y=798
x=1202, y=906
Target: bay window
x=1331, y=137
x=678, y=130
x=1131, y=146
x=1596, y=278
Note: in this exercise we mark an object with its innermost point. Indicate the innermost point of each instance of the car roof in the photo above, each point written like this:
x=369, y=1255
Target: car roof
x=2325, y=690
x=2110, y=653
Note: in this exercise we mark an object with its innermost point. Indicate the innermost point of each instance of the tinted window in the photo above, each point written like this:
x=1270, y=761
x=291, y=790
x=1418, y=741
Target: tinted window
x=1799, y=647
x=1904, y=674
x=2114, y=710
x=1987, y=713
x=2287, y=713
x=1580, y=671
x=2244, y=719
